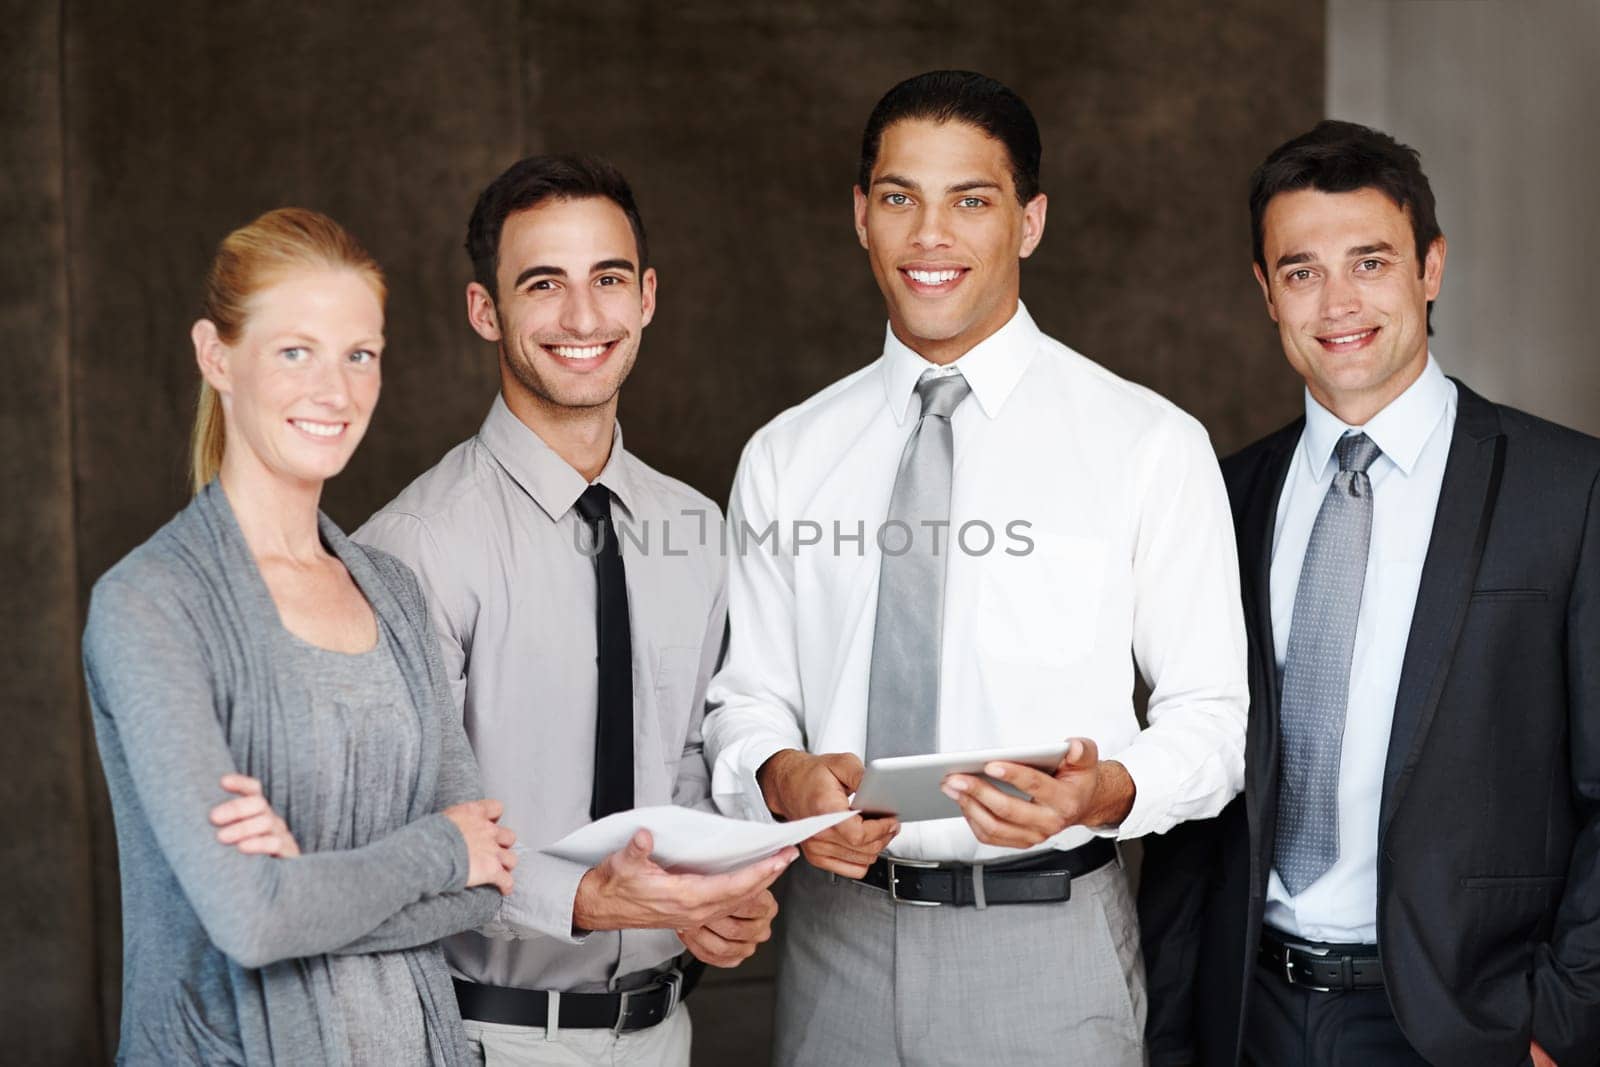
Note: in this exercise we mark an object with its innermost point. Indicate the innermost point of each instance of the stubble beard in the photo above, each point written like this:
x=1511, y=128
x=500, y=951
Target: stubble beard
x=527, y=376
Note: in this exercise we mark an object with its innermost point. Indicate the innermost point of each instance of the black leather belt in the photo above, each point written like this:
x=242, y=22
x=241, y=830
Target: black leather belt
x=1321, y=967
x=634, y=1009
x=1034, y=880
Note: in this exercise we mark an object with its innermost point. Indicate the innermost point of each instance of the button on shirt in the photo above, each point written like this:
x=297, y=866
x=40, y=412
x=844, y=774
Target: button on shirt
x=1414, y=432
x=503, y=555
x=1088, y=519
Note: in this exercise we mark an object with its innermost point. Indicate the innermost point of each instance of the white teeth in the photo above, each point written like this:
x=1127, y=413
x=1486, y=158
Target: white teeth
x=933, y=277
x=575, y=352
x=1350, y=338
x=319, y=429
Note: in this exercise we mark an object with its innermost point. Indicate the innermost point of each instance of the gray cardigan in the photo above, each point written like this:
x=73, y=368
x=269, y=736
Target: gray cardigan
x=223, y=951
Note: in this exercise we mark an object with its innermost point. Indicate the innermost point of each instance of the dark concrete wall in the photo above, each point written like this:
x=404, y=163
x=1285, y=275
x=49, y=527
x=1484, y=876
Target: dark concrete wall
x=135, y=136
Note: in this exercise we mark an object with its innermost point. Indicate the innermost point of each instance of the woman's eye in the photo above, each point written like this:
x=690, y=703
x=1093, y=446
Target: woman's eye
x=295, y=354
x=363, y=355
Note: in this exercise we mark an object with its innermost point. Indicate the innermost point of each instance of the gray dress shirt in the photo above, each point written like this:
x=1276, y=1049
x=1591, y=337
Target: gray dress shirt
x=504, y=558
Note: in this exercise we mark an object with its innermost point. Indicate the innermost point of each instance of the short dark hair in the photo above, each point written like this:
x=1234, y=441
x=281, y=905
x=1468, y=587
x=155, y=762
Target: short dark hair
x=961, y=95
x=1342, y=157
x=530, y=182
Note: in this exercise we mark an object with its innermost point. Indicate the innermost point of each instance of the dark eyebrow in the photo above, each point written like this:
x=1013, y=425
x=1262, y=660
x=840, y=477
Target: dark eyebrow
x=1295, y=257
x=895, y=179
x=1367, y=250
x=613, y=264
x=538, y=272
x=976, y=183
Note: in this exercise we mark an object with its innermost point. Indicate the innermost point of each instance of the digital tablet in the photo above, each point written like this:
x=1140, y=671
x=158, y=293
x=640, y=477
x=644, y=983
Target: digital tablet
x=907, y=787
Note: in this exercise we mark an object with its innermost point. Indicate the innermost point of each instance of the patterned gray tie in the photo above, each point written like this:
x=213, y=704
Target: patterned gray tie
x=903, y=689
x=1316, y=670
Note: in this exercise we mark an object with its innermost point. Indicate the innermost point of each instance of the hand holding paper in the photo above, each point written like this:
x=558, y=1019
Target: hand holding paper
x=687, y=841
x=798, y=784
x=677, y=869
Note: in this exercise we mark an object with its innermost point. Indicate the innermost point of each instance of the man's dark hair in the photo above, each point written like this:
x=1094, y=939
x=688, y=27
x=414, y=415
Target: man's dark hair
x=962, y=96
x=1342, y=157
x=530, y=182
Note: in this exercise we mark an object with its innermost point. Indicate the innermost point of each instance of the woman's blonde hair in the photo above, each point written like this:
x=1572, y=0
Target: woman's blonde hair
x=248, y=260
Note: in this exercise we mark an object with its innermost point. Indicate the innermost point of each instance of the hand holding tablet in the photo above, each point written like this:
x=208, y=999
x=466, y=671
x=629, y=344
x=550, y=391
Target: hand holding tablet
x=908, y=787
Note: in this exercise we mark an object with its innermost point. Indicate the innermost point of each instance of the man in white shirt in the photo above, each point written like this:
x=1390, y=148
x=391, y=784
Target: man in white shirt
x=970, y=543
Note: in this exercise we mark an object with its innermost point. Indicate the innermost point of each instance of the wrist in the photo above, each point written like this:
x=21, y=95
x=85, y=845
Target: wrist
x=1113, y=799
x=585, y=903
x=770, y=776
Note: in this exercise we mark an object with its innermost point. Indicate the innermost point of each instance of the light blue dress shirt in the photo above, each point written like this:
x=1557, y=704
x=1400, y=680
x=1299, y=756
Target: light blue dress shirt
x=1414, y=433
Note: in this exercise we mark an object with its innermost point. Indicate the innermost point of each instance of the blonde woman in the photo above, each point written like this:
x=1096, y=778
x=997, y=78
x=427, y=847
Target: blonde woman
x=298, y=814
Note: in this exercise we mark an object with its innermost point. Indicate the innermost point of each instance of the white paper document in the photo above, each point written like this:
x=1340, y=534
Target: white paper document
x=694, y=842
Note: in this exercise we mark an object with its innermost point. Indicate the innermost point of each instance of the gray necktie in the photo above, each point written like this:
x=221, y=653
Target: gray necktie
x=1316, y=670
x=903, y=690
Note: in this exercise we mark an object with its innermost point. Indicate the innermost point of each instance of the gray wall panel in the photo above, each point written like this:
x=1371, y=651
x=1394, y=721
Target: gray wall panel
x=1499, y=98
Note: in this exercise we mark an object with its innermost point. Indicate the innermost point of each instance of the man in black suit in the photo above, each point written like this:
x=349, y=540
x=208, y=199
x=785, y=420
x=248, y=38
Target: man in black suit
x=1413, y=872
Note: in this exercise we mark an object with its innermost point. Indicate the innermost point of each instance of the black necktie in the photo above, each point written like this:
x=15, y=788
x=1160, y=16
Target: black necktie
x=613, y=733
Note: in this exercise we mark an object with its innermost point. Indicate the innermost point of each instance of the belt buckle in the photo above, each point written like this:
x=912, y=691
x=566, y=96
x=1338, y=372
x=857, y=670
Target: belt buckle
x=894, y=881
x=1288, y=966
x=673, y=980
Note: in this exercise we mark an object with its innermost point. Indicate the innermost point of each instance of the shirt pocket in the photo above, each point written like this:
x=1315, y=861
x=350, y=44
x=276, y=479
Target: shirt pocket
x=1042, y=608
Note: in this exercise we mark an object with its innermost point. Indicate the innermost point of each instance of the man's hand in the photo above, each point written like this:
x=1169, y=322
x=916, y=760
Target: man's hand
x=1540, y=1057
x=797, y=785
x=630, y=891
x=1084, y=791
x=732, y=939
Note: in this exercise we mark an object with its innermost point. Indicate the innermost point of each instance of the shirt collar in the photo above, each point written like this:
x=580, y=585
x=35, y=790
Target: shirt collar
x=1401, y=429
x=550, y=480
x=992, y=367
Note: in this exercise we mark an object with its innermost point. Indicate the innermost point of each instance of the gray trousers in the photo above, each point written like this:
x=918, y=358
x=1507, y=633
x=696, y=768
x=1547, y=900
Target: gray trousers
x=865, y=981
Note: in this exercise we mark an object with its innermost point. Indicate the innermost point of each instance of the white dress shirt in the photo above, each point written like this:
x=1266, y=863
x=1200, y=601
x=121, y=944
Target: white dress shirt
x=1414, y=433
x=1132, y=559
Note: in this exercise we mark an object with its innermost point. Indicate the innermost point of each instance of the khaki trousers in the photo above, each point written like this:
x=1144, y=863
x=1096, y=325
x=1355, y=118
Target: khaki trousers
x=500, y=1045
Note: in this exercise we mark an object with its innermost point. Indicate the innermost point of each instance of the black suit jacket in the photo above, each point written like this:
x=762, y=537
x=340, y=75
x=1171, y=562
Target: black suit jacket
x=1489, y=830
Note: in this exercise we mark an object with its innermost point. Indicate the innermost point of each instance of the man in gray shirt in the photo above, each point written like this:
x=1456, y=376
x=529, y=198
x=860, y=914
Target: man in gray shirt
x=546, y=550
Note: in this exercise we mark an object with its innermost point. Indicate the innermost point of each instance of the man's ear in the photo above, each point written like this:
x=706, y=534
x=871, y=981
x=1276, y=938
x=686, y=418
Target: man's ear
x=1033, y=224
x=647, y=295
x=1433, y=268
x=1266, y=290
x=481, y=312
x=211, y=356
x=860, y=199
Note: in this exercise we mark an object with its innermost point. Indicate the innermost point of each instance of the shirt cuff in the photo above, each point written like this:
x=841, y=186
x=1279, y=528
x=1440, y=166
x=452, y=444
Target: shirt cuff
x=1154, y=775
x=540, y=904
x=733, y=782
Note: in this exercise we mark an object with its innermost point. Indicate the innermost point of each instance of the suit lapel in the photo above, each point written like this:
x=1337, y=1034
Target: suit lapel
x=1257, y=523
x=1455, y=547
